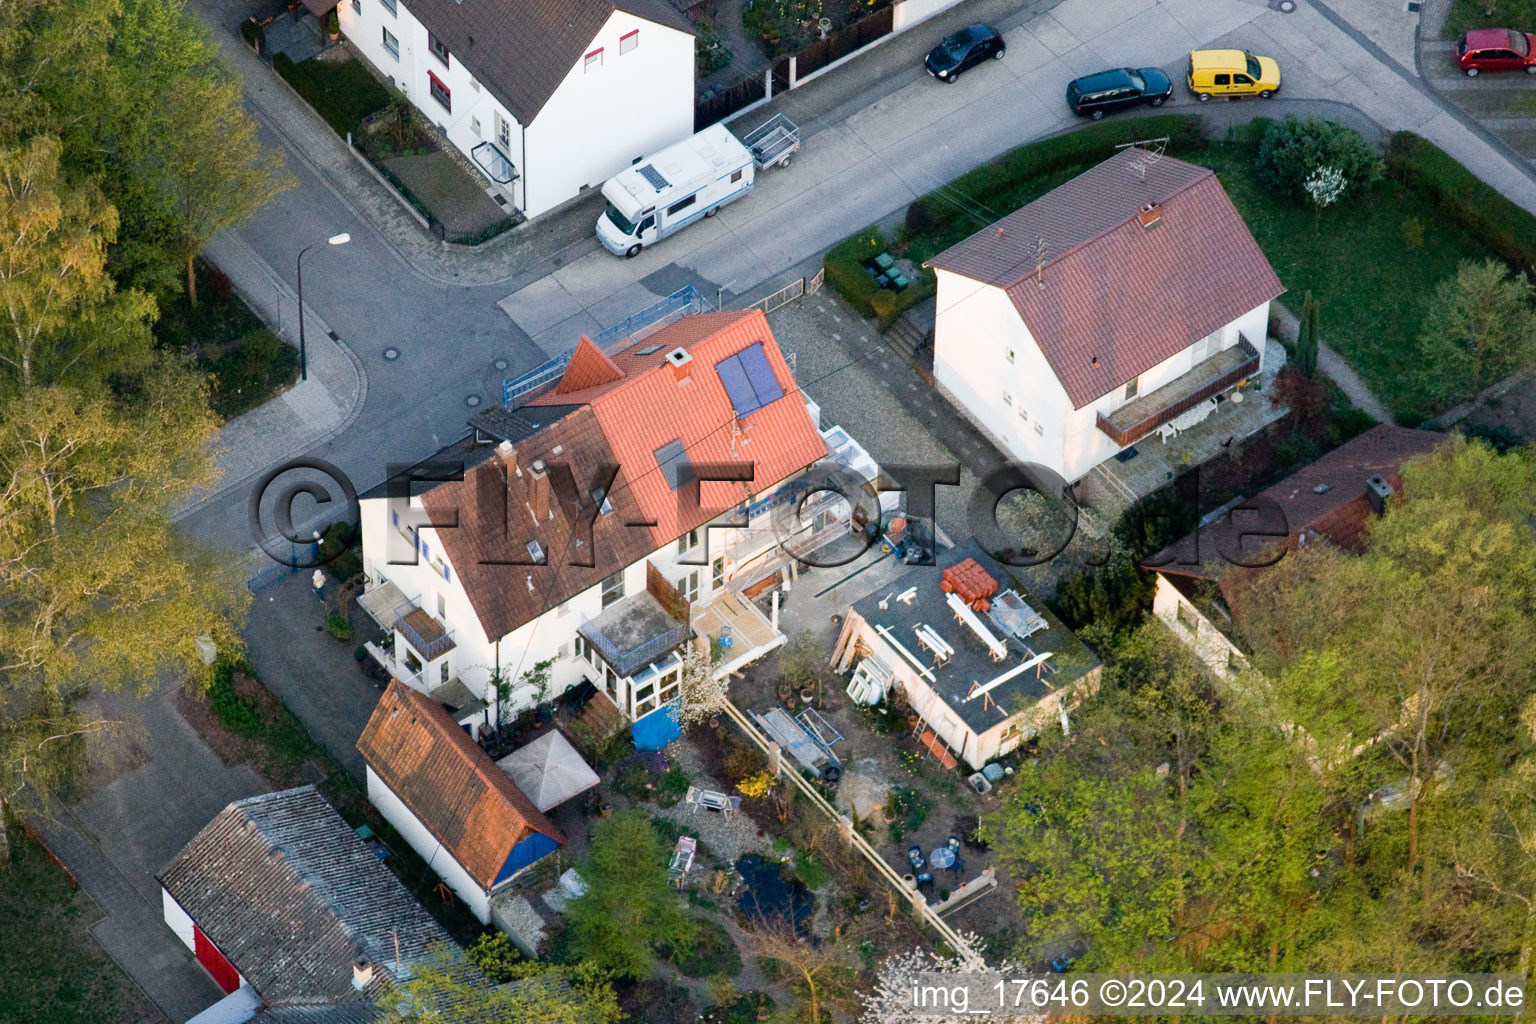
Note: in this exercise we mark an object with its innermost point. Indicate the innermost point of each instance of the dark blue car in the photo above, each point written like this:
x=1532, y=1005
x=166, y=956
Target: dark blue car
x=1103, y=93
x=965, y=49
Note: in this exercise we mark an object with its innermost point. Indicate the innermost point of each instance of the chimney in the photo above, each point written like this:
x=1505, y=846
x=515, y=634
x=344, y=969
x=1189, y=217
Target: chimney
x=1377, y=491
x=507, y=456
x=1150, y=216
x=999, y=231
x=538, y=492
x=681, y=363
x=362, y=974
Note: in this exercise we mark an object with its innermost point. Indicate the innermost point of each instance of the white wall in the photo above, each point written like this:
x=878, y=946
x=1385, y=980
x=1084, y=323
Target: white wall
x=910, y=12
x=430, y=850
x=601, y=119
x=181, y=923
x=1208, y=642
x=977, y=326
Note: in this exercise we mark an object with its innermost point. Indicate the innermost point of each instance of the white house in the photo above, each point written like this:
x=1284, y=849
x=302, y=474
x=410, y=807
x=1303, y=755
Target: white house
x=1101, y=312
x=546, y=97
x=981, y=664
x=586, y=529
x=290, y=912
x=1200, y=577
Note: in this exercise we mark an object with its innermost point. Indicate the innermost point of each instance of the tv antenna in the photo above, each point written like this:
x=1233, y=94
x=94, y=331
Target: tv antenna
x=1040, y=264
x=1147, y=152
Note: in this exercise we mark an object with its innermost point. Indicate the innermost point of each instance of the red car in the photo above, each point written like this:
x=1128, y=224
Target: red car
x=1496, y=49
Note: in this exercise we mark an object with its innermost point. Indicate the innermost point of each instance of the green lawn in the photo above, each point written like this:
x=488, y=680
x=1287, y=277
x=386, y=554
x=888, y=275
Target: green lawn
x=1372, y=288
x=1465, y=14
x=342, y=92
x=51, y=970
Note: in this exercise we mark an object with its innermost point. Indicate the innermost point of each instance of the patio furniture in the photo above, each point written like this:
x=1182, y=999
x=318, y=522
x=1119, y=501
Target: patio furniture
x=953, y=842
x=713, y=800
x=682, y=859
x=924, y=880
x=942, y=858
x=915, y=857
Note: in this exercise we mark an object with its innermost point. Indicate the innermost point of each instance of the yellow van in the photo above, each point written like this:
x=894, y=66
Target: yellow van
x=1232, y=73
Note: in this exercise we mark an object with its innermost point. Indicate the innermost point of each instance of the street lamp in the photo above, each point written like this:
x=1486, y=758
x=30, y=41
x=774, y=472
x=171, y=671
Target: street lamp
x=341, y=239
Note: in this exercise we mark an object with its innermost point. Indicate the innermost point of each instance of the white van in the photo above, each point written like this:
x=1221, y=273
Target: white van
x=665, y=192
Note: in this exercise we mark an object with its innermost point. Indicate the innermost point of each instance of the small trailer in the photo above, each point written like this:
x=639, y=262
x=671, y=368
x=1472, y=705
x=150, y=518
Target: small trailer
x=773, y=142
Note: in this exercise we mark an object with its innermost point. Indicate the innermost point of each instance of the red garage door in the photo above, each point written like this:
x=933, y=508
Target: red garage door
x=222, y=970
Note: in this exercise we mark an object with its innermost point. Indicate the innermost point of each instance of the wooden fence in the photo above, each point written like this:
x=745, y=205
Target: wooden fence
x=844, y=41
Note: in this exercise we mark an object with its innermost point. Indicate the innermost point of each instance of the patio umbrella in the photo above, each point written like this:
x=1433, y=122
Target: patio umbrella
x=549, y=770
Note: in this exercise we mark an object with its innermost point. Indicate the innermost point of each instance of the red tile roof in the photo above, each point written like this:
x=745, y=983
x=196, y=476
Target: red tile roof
x=1114, y=291
x=621, y=422
x=588, y=368
x=469, y=804
x=1339, y=511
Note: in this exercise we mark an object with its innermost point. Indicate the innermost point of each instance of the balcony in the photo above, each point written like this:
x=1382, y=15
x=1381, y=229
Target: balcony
x=634, y=632
x=427, y=637
x=1138, y=418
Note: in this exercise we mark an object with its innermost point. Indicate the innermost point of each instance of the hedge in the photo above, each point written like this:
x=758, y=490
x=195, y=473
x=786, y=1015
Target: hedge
x=846, y=274
x=1506, y=228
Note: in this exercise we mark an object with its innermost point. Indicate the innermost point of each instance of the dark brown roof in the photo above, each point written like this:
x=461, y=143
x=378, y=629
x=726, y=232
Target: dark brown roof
x=452, y=786
x=488, y=549
x=288, y=893
x=1338, y=512
x=522, y=49
x=1115, y=291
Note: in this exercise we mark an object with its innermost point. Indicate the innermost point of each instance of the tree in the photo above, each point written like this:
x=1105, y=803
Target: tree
x=889, y=1000
x=1478, y=327
x=1306, y=337
x=629, y=906
x=448, y=989
x=809, y=963
x=700, y=695
x=1292, y=151
x=63, y=322
x=101, y=591
x=208, y=167
x=1324, y=187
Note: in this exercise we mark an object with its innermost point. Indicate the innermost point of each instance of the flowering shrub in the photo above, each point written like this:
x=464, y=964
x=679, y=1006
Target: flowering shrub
x=757, y=785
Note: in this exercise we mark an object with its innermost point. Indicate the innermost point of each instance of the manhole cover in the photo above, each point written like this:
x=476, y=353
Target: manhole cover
x=472, y=401
x=391, y=354
x=500, y=364
x=1287, y=6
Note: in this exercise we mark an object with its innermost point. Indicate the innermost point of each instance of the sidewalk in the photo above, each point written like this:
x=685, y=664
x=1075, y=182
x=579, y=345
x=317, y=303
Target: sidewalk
x=307, y=414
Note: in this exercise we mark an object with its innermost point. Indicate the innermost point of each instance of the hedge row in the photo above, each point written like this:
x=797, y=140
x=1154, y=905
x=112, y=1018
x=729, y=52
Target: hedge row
x=846, y=273
x=1423, y=167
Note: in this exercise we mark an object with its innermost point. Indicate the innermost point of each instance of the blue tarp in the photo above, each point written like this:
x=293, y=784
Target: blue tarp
x=657, y=729
x=525, y=853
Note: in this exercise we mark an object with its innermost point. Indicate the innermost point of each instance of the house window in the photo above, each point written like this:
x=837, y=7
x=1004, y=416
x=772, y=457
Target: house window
x=1187, y=618
x=1009, y=354
x=613, y=588
x=1007, y=398
x=1039, y=428
x=683, y=204
x=1013, y=729
x=391, y=44
x=578, y=645
x=688, y=586
x=357, y=6
x=1023, y=415
x=688, y=541
x=442, y=609
x=736, y=176
x=503, y=133
x=717, y=573
x=668, y=686
x=628, y=42
x=593, y=59
x=474, y=126
x=439, y=49
x=408, y=532
x=442, y=673
x=440, y=91
x=600, y=498
x=388, y=5
x=1130, y=390
x=426, y=549
x=536, y=552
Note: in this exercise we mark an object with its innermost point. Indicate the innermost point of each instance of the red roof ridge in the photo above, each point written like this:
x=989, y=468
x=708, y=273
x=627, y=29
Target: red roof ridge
x=589, y=367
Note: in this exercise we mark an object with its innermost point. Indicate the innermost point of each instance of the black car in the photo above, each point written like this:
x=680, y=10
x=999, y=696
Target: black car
x=965, y=49
x=1096, y=95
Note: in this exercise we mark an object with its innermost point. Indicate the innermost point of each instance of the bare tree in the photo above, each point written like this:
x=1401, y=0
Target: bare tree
x=813, y=964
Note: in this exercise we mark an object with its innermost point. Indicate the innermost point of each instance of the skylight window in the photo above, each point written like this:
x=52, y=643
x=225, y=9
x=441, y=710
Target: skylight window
x=673, y=460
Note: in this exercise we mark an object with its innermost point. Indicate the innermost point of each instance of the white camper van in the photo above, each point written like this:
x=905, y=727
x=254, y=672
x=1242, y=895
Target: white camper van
x=665, y=192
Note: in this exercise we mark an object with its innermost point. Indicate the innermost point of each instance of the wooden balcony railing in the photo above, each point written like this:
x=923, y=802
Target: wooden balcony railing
x=1138, y=418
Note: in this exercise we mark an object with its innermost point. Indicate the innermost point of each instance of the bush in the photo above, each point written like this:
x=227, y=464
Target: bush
x=810, y=870
x=332, y=23
x=343, y=93
x=672, y=788
x=254, y=35
x=712, y=953
x=844, y=264
x=337, y=625
x=217, y=285
x=1506, y=228
x=247, y=372
x=1292, y=149
x=236, y=711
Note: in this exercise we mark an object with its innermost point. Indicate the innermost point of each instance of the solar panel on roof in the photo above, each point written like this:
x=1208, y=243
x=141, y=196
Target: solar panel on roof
x=653, y=176
x=737, y=386
x=749, y=380
x=649, y=350
x=755, y=361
